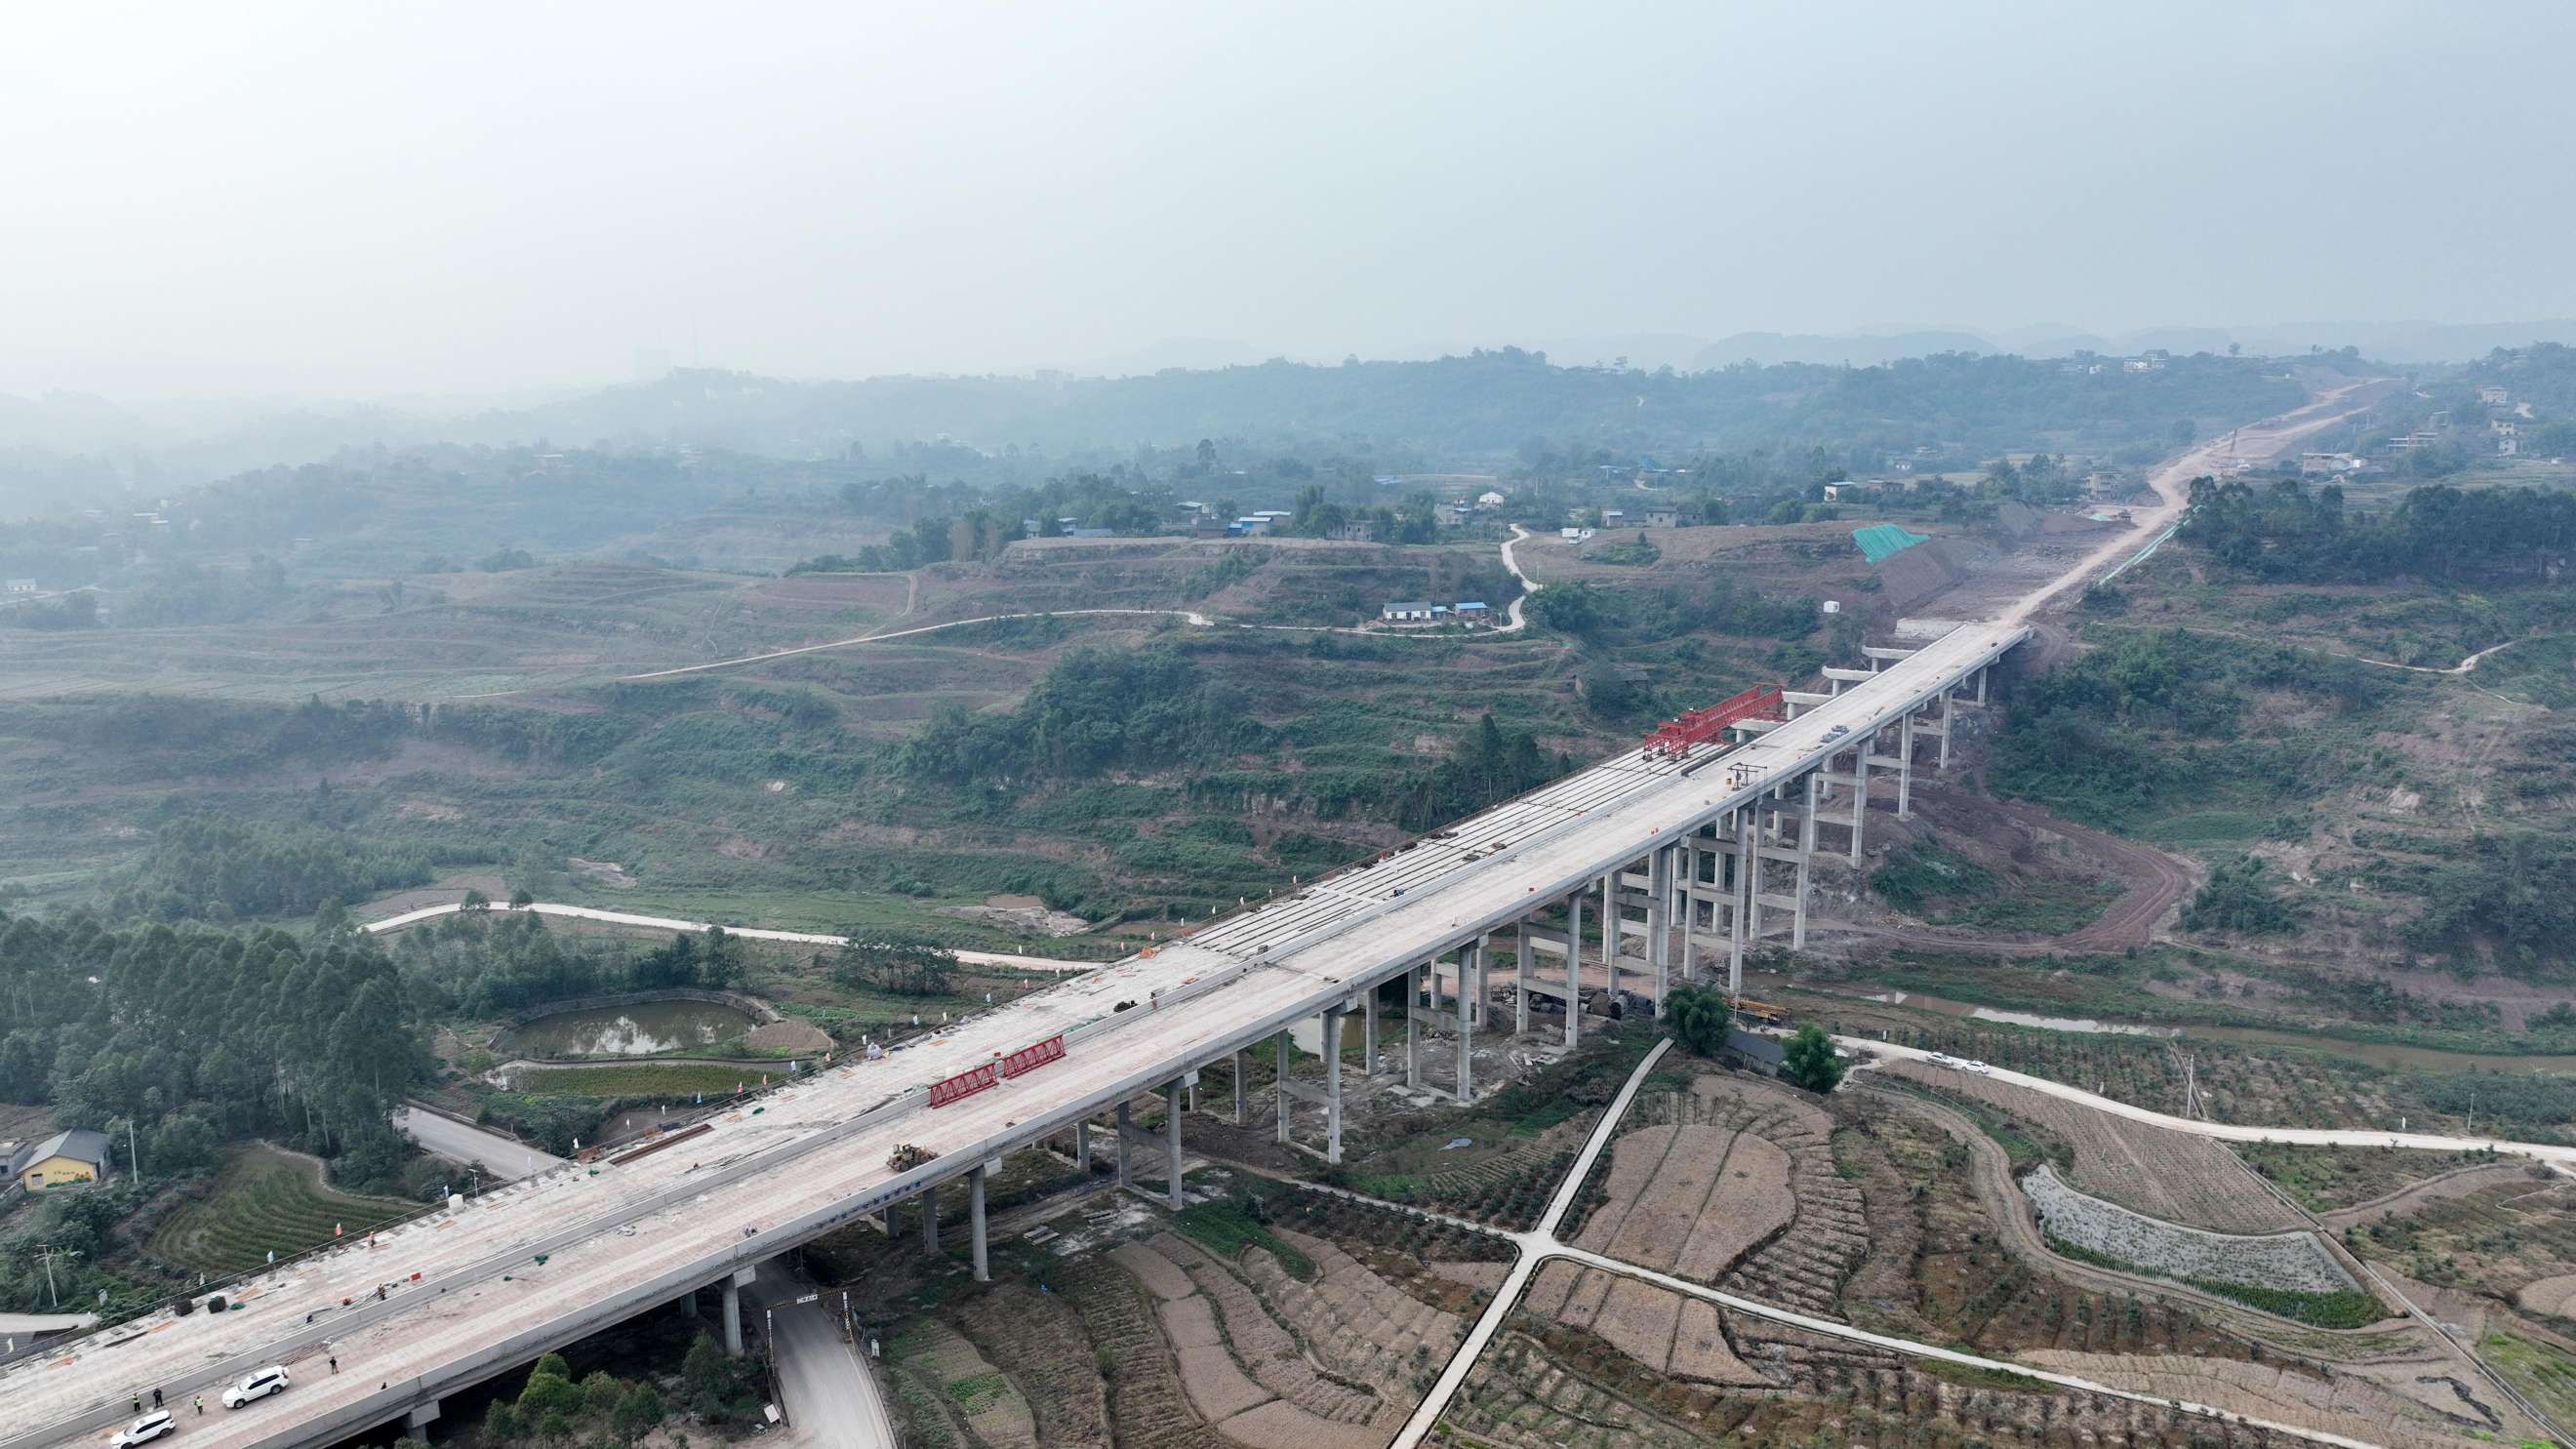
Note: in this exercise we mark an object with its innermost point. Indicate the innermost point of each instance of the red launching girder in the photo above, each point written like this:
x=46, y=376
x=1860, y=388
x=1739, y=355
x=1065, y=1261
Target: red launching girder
x=1674, y=737
x=1030, y=1058
x=964, y=1084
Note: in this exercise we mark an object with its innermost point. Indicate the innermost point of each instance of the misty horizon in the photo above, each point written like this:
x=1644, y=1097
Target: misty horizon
x=309, y=201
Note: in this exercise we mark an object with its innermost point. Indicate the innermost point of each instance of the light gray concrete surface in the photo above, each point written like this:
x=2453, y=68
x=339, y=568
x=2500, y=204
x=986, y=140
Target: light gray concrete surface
x=502, y=1157
x=830, y=1392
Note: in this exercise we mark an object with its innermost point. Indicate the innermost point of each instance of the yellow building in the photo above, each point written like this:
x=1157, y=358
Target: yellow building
x=79, y=1155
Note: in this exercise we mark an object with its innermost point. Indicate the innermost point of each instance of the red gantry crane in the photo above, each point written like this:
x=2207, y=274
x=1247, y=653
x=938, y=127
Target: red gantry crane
x=1674, y=737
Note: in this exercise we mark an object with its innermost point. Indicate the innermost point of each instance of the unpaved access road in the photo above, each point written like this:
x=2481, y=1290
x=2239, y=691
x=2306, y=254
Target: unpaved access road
x=505, y=1157
x=2562, y=1158
x=748, y=933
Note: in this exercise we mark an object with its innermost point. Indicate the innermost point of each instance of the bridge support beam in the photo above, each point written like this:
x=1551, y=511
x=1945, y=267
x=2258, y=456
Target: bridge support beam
x=1860, y=796
x=1574, y=971
x=1333, y=1084
x=1082, y=1147
x=1415, y=977
x=930, y=1219
x=1239, y=1093
x=416, y=1423
x=1806, y=857
x=1471, y=1012
x=1172, y=1139
x=731, y=1289
x=1280, y=1081
x=1659, y=920
x=975, y=1218
x=1126, y=1144
x=1368, y=1032
x=1905, y=767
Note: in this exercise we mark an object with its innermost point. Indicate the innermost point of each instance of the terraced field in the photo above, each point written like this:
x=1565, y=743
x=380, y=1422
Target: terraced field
x=265, y=1200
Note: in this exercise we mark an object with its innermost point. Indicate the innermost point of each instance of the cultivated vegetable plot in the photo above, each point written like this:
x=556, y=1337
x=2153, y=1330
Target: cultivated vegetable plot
x=1332, y=1359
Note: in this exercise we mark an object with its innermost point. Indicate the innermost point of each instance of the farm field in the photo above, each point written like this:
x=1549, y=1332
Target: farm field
x=2164, y=1174
x=639, y=1079
x=264, y=1200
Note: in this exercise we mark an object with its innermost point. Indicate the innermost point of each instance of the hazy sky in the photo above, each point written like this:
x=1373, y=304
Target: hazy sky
x=356, y=199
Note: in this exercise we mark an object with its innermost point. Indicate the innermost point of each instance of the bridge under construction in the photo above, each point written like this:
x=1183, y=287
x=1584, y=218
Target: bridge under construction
x=1686, y=853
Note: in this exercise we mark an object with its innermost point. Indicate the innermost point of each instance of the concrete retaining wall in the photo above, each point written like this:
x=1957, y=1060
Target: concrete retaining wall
x=2297, y=1261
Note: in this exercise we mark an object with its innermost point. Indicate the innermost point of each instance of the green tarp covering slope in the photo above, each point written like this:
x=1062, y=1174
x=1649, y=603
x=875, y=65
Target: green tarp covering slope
x=1882, y=539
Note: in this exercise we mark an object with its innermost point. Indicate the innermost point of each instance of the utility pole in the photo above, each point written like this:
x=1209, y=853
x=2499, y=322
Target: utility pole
x=46, y=1253
x=133, y=1152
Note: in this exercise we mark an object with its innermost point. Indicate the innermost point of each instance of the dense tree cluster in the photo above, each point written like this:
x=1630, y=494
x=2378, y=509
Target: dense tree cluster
x=210, y=863
x=482, y=964
x=1489, y=767
x=198, y=1036
x=2285, y=531
x=1096, y=710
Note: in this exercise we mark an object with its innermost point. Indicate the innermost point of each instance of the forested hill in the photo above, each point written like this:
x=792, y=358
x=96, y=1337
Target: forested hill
x=1487, y=402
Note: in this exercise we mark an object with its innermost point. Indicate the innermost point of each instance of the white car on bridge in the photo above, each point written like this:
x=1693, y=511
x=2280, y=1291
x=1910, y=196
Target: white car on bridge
x=258, y=1384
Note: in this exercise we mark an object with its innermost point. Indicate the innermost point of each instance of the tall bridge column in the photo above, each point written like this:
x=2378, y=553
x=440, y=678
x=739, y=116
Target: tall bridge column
x=1659, y=920
x=1333, y=1084
x=1946, y=711
x=1414, y=979
x=1126, y=1144
x=1613, y=926
x=1806, y=855
x=1471, y=1011
x=1860, y=794
x=416, y=1423
x=930, y=1219
x=1521, y=977
x=732, y=1291
x=1905, y=767
x=1082, y=1147
x=1368, y=1033
x=1172, y=1138
x=1574, y=970
x=1239, y=1093
x=975, y=1216
x=1739, y=900
x=1280, y=1081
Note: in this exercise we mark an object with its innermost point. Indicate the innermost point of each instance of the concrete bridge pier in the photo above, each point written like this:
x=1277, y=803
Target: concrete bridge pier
x=1172, y=1133
x=975, y=1215
x=732, y=1290
x=1126, y=1145
x=416, y=1423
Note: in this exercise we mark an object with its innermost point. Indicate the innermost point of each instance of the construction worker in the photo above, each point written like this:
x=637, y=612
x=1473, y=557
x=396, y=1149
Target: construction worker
x=138, y=1402
x=156, y=1398
x=335, y=1363
x=201, y=1406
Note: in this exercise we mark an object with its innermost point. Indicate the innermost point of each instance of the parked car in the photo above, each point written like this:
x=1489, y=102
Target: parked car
x=258, y=1384
x=1944, y=1059
x=144, y=1430
x=1980, y=1068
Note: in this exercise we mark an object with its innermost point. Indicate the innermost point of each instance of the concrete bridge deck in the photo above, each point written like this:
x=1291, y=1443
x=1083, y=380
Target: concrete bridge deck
x=466, y=1298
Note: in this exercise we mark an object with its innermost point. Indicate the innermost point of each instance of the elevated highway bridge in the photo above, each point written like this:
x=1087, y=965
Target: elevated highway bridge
x=1685, y=859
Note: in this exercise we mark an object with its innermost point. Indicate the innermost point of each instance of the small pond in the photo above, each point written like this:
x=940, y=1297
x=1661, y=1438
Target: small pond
x=639, y=1029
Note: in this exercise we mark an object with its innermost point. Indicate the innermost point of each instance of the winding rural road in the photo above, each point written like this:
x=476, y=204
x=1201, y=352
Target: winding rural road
x=2562, y=1158
x=748, y=933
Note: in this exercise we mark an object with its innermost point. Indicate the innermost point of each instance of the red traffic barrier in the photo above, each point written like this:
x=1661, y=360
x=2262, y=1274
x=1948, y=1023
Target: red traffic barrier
x=962, y=1085
x=1030, y=1058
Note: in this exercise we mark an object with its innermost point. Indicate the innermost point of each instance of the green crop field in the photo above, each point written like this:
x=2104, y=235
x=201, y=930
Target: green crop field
x=265, y=1200
x=642, y=1079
